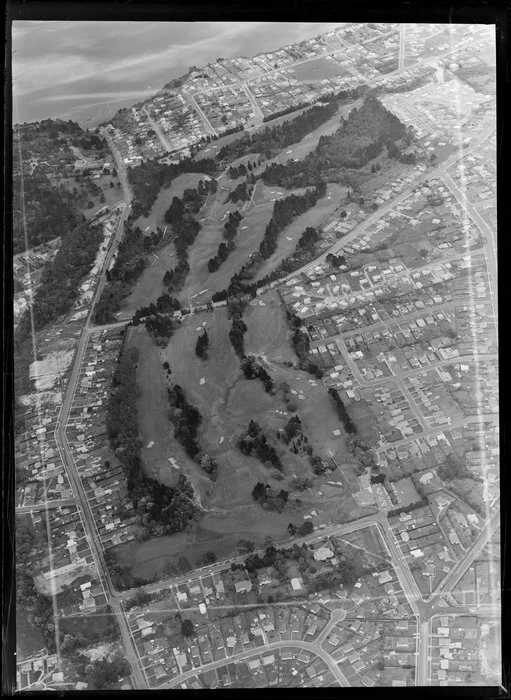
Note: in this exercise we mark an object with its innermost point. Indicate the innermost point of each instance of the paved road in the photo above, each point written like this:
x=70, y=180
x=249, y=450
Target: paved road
x=200, y=112
x=65, y=451
x=452, y=578
x=62, y=503
x=481, y=224
x=268, y=648
x=156, y=127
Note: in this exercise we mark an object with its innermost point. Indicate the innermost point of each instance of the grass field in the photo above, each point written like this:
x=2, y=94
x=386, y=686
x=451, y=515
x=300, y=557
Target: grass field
x=29, y=639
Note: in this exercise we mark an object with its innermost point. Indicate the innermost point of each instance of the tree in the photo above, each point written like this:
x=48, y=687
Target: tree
x=184, y=565
x=187, y=628
x=306, y=528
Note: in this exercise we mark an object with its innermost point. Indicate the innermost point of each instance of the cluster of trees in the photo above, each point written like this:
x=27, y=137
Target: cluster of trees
x=407, y=509
x=344, y=417
x=292, y=429
x=104, y=674
x=47, y=211
x=274, y=139
x=161, y=509
x=453, y=469
x=202, y=345
x=61, y=279
x=301, y=345
x=359, y=139
x=91, y=141
x=241, y=193
x=39, y=607
x=255, y=442
x=186, y=419
x=165, y=304
x=335, y=260
x=148, y=178
x=160, y=327
x=252, y=369
x=175, y=279
x=237, y=171
x=362, y=453
x=224, y=249
x=210, y=466
x=129, y=264
x=237, y=333
x=270, y=498
x=306, y=528
x=231, y=225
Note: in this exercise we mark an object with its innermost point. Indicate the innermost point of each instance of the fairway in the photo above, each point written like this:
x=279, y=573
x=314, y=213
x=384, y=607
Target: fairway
x=250, y=234
x=150, y=285
x=299, y=150
x=164, y=200
x=315, y=217
x=154, y=425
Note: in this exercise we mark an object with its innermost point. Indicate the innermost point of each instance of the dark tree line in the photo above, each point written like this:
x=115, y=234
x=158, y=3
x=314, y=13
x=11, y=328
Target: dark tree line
x=224, y=249
x=344, y=417
x=186, y=419
x=236, y=335
x=359, y=139
x=202, y=345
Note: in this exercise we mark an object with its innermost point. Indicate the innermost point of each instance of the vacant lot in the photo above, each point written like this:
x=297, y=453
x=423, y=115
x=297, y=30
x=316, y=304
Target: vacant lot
x=315, y=217
x=317, y=69
x=29, y=639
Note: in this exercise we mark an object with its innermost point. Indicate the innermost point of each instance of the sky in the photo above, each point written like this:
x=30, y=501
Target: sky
x=61, y=68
